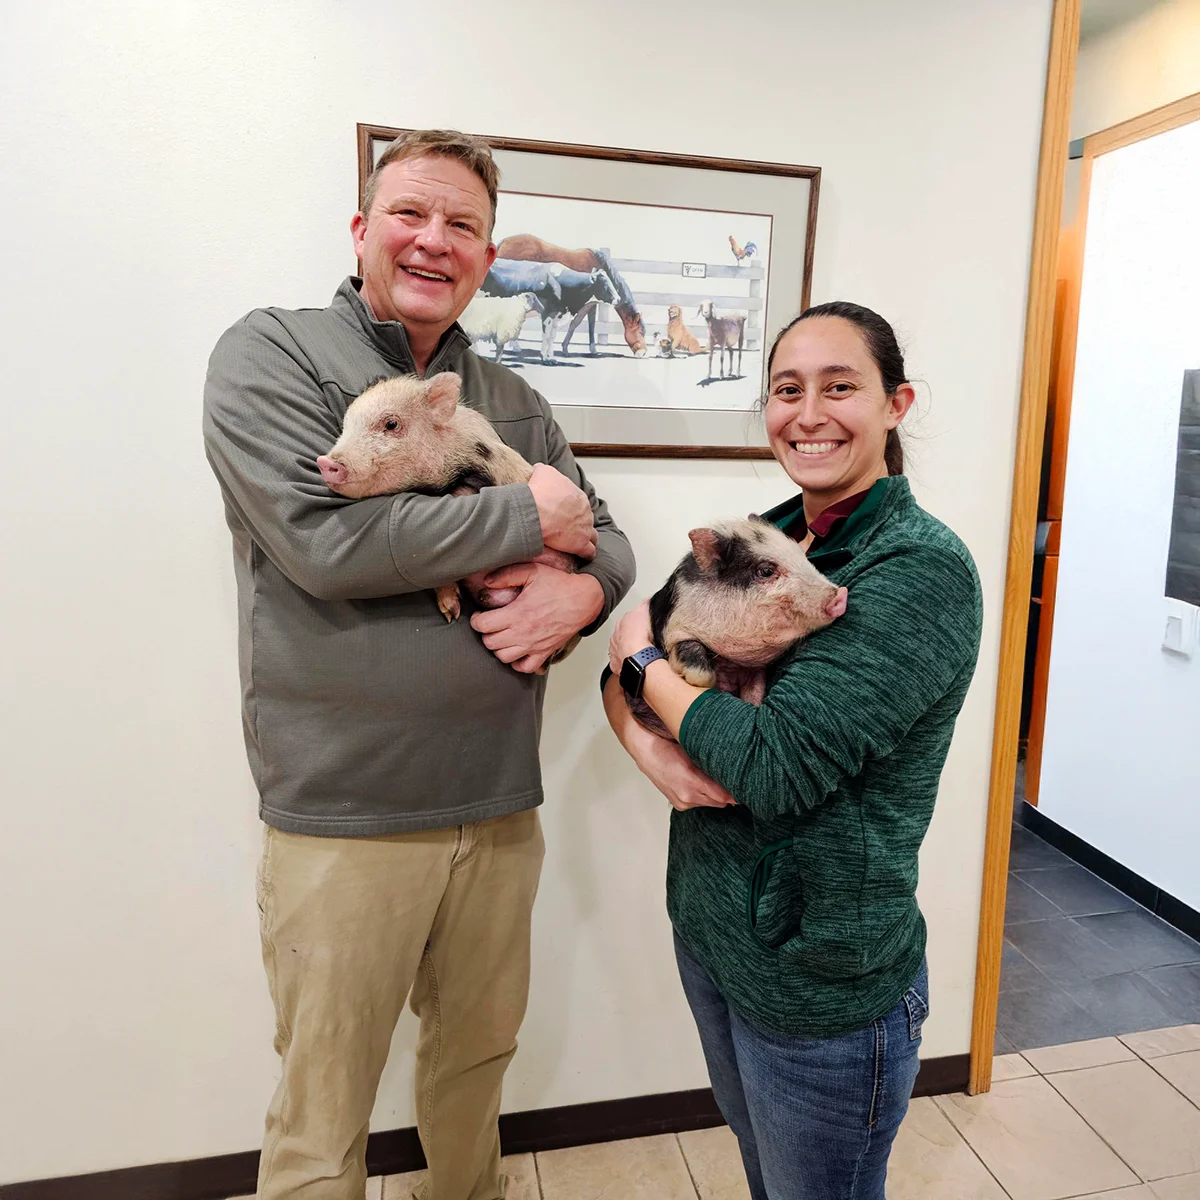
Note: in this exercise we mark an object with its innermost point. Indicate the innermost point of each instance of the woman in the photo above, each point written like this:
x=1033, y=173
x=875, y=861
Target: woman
x=793, y=853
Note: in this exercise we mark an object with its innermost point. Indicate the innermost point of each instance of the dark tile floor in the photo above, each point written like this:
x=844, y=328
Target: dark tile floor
x=1082, y=960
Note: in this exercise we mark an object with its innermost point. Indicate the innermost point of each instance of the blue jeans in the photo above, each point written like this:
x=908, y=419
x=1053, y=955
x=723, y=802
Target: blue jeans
x=814, y=1117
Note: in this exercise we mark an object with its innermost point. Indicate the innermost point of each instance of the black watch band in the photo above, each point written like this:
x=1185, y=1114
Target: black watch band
x=633, y=670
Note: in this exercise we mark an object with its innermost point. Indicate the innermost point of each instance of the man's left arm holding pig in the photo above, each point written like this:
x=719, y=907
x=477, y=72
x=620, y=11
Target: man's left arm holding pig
x=553, y=606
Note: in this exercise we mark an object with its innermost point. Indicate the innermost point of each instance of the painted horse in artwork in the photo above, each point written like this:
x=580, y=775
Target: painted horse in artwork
x=526, y=247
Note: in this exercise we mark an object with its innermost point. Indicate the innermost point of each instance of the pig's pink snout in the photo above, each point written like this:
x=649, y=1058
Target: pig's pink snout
x=837, y=605
x=334, y=473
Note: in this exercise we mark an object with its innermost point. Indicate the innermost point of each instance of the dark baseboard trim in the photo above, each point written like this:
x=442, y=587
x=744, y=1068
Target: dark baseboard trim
x=397, y=1150
x=941, y=1076
x=1133, y=885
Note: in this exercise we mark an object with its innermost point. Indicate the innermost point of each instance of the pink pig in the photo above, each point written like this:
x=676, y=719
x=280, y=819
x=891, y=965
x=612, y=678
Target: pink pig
x=409, y=434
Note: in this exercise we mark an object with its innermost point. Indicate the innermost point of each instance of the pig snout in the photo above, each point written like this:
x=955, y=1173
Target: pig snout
x=333, y=473
x=837, y=605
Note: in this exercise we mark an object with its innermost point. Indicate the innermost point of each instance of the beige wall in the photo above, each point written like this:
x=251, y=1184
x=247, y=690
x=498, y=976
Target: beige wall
x=177, y=164
x=1138, y=66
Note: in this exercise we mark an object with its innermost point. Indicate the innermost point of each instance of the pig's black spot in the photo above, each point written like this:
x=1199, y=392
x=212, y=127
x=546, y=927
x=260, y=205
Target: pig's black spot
x=662, y=604
x=470, y=478
x=484, y=451
x=737, y=563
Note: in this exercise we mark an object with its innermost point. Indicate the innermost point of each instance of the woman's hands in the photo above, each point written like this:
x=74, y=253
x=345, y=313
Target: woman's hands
x=630, y=634
x=685, y=786
x=664, y=763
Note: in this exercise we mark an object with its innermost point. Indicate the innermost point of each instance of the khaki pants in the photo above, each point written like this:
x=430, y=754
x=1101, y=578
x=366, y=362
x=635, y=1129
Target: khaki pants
x=349, y=927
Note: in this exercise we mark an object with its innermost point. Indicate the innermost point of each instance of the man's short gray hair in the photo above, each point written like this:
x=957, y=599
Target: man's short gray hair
x=471, y=151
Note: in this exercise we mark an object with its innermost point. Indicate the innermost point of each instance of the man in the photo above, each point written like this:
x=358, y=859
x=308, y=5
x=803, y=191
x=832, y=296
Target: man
x=395, y=755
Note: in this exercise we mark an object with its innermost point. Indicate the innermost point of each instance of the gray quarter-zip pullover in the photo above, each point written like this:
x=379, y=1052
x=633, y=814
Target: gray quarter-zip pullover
x=365, y=713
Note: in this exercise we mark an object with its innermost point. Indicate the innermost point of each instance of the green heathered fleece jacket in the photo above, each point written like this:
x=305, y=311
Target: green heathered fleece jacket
x=800, y=901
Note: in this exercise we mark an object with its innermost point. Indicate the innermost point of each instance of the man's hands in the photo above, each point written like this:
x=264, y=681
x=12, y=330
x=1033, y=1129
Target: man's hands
x=565, y=513
x=552, y=608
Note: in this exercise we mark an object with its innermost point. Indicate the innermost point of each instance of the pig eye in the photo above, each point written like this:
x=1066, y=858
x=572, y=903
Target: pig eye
x=764, y=570
x=391, y=424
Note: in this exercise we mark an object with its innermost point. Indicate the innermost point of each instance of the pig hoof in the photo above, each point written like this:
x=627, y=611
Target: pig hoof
x=693, y=660
x=448, y=602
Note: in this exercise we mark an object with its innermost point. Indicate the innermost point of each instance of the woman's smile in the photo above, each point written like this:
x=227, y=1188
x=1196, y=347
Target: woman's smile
x=817, y=450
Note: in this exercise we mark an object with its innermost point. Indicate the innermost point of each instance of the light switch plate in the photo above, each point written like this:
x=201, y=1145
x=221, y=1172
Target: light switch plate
x=1182, y=628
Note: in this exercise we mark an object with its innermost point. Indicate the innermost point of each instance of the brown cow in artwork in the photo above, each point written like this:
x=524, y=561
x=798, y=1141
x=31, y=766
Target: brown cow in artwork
x=526, y=247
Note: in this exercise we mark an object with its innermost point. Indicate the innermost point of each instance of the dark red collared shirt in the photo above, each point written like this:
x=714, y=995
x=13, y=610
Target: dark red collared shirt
x=824, y=523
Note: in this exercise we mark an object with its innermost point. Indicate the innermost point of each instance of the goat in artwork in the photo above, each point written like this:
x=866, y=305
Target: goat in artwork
x=724, y=334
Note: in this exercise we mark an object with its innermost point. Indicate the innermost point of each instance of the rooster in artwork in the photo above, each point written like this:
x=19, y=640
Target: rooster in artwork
x=741, y=252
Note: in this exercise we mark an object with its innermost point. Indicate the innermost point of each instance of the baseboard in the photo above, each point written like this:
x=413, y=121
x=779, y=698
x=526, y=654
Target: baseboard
x=1165, y=906
x=397, y=1150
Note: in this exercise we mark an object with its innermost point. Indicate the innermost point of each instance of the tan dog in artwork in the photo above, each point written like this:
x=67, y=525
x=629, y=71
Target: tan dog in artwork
x=680, y=336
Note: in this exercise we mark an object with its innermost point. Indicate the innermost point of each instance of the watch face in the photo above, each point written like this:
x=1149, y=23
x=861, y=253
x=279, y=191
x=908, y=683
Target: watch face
x=632, y=678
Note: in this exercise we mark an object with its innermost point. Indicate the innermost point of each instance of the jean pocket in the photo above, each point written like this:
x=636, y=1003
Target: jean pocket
x=918, y=1009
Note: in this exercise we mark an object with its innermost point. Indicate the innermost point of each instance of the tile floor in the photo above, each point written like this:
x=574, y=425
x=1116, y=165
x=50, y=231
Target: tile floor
x=1101, y=998
x=1082, y=960
x=1106, y=1119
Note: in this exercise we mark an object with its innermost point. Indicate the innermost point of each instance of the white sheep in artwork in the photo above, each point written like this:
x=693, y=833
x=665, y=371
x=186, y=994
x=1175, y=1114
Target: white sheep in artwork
x=497, y=318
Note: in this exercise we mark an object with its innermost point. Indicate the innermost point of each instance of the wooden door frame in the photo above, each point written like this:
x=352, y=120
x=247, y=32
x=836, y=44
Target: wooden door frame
x=1031, y=422
x=1158, y=120
x=1035, y=380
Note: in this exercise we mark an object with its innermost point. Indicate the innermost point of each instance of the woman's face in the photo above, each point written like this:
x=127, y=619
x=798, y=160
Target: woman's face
x=827, y=414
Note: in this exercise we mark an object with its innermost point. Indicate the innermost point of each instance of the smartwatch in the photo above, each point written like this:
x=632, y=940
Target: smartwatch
x=633, y=671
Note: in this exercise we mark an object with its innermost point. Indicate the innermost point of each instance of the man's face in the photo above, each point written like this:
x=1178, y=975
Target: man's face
x=425, y=246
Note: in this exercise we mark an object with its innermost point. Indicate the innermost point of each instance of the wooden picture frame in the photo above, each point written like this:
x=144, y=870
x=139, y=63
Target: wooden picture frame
x=553, y=177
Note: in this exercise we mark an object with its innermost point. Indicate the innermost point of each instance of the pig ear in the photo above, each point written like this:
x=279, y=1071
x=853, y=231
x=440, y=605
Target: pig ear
x=705, y=548
x=443, y=395
x=757, y=519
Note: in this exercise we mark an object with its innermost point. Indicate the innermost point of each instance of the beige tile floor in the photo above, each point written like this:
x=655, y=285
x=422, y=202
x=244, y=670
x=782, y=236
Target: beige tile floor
x=1111, y=1119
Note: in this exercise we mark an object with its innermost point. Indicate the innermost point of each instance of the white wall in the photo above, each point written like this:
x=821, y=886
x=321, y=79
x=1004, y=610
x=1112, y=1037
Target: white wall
x=1121, y=758
x=1140, y=65
x=170, y=166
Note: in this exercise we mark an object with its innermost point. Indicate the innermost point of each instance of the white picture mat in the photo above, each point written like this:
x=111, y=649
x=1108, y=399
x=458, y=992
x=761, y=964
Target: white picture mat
x=785, y=198
x=654, y=236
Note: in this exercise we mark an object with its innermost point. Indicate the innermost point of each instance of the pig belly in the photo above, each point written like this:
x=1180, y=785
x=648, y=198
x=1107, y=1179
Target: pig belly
x=747, y=683
x=488, y=597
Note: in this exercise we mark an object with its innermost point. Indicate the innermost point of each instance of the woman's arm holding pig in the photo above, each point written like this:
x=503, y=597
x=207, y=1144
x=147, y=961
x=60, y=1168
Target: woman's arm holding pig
x=669, y=694
x=851, y=693
x=663, y=763
x=266, y=419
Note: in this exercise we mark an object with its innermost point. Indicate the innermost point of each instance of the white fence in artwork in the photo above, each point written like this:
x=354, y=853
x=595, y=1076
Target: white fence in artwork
x=653, y=305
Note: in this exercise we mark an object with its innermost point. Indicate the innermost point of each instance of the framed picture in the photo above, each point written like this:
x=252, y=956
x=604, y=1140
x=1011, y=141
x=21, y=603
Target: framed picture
x=652, y=285
x=1183, y=551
